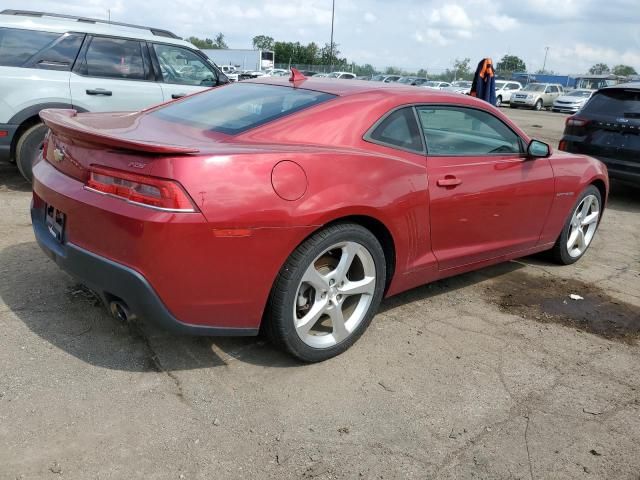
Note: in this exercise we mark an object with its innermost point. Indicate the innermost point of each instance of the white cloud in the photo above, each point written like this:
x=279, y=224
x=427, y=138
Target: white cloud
x=502, y=23
x=370, y=17
x=450, y=16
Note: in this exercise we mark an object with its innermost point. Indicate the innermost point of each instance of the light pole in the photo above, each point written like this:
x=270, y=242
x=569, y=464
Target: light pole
x=544, y=65
x=333, y=14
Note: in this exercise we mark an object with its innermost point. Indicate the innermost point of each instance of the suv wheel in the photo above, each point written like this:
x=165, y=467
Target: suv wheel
x=29, y=147
x=538, y=105
x=499, y=101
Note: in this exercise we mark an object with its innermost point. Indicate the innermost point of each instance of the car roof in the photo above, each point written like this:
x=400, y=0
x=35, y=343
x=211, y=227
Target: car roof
x=54, y=23
x=624, y=86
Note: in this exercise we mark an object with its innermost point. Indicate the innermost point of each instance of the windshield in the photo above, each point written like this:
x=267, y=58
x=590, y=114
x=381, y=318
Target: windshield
x=534, y=87
x=464, y=84
x=500, y=85
x=406, y=80
x=378, y=78
x=432, y=84
x=334, y=75
x=240, y=106
x=580, y=93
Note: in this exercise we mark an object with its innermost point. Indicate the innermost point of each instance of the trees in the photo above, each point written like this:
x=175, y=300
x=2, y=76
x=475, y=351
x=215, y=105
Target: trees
x=263, y=42
x=461, y=70
x=511, y=63
x=623, y=70
x=599, y=69
x=208, y=43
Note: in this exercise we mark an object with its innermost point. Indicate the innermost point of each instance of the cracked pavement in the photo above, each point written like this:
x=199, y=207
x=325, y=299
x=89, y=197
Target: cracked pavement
x=446, y=383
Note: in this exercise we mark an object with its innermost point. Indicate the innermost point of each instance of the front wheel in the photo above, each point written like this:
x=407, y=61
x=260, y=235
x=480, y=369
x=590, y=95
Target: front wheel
x=327, y=293
x=580, y=227
x=498, y=101
x=28, y=148
x=538, y=105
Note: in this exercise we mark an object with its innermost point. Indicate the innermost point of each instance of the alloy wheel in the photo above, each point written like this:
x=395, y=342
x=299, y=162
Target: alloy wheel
x=334, y=294
x=584, y=223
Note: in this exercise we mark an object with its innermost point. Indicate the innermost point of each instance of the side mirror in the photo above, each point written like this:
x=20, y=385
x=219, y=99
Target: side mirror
x=538, y=149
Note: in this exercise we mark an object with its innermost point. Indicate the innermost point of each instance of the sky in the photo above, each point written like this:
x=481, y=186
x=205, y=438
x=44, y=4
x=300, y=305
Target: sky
x=409, y=34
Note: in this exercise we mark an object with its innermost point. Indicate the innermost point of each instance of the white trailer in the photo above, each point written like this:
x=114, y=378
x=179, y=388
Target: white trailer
x=243, y=59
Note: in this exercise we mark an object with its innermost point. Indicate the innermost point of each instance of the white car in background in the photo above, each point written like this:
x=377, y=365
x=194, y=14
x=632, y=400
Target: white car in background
x=459, y=86
x=230, y=71
x=572, y=101
x=276, y=72
x=435, y=85
x=342, y=75
x=504, y=90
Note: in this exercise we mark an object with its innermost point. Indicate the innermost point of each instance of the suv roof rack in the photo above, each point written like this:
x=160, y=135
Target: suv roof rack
x=155, y=31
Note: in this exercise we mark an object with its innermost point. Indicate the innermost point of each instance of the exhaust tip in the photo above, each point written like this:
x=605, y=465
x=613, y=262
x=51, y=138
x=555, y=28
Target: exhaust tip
x=120, y=311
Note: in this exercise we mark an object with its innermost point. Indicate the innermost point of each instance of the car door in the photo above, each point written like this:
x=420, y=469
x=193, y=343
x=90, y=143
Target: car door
x=487, y=199
x=182, y=71
x=113, y=74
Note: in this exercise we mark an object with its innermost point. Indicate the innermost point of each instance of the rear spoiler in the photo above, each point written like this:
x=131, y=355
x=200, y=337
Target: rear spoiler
x=63, y=121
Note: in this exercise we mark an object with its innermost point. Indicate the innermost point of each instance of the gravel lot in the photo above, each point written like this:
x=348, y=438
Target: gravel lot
x=494, y=374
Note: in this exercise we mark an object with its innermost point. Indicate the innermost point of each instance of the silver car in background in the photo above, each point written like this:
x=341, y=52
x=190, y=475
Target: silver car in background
x=459, y=86
x=572, y=101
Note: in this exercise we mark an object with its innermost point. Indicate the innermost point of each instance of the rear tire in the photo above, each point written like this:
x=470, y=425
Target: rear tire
x=327, y=293
x=28, y=148
x=580, y=227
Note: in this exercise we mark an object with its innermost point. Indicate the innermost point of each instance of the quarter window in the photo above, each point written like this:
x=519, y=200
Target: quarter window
x=182, y=66
x=115, y=58
x=399, y=129
x=17, y=46
x=466, y=131
x=61, y=55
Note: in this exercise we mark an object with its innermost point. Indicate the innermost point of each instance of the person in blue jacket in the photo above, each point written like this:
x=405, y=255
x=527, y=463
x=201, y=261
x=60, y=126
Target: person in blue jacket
x=484, y=82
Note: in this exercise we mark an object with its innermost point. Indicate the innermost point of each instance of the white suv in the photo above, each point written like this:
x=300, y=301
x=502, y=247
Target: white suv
x=59, y=61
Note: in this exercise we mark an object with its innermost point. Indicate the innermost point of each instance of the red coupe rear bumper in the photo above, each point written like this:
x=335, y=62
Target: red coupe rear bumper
x=174, y=269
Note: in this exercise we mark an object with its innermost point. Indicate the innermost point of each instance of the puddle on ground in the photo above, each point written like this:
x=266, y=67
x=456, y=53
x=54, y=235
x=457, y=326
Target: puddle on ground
x=547, y=299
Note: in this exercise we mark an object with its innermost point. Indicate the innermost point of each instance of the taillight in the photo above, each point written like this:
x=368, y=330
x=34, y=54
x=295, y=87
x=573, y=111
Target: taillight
x=562, y=145
x=576, y=122
x=140, y=189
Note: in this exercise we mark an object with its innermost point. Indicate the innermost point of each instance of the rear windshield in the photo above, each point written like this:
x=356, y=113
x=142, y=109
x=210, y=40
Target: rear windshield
x=236, y=108
x=619, y=103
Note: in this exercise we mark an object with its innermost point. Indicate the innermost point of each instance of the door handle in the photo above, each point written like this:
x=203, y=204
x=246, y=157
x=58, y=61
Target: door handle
x=99, y=91
x=449, y=181
x=178, y=95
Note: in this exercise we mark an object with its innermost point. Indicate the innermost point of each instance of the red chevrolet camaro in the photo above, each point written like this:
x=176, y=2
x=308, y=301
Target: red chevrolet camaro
x=297, y=204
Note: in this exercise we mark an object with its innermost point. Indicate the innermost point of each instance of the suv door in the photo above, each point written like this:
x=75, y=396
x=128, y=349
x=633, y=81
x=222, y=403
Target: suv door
x=487, y=198
x=183, y=71
x=113, y=74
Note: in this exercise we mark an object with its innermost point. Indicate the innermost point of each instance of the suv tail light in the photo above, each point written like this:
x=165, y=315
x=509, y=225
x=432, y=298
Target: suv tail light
x=142, y=190
x=576, y=122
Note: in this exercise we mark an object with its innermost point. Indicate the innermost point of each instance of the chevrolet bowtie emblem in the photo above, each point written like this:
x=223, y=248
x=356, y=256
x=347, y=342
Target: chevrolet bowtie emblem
x=58, y=155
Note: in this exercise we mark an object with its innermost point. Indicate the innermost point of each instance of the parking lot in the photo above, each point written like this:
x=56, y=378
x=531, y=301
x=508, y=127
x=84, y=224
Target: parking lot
x=493, y=374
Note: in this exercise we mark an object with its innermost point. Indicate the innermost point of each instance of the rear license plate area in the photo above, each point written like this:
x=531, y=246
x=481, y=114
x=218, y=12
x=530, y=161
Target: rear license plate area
x=55, y=221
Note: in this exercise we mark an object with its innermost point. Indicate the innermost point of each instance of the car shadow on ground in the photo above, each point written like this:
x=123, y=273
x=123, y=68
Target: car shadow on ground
x=624, y=197
x=66, y=315
x=11, y=180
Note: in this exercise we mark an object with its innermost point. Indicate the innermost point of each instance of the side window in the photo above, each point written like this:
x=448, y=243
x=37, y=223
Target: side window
x=182, y=66
x=548, y=90
x=399, y=129
x=59, y=56
x=466, y=131
x=17, y=46
x=115, y=58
